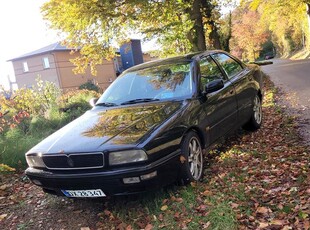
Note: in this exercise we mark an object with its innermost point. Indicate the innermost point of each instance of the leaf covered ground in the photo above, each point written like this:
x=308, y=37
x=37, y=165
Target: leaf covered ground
x=256, y=180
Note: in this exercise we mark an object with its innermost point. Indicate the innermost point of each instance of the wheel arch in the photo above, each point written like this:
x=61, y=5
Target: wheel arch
x=202, y=136
x=260, y=94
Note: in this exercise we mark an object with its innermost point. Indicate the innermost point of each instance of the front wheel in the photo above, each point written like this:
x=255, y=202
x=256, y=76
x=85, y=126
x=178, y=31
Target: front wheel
x=257, y=114
x=192, y=154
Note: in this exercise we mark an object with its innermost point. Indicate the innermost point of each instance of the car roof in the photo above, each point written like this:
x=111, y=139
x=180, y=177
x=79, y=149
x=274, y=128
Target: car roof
x=177, y=59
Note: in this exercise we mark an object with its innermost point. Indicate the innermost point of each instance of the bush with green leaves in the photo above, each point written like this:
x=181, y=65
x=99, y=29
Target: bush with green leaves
x=33, y=114
x=89, y=85
x=26, y=102
x=75, y=103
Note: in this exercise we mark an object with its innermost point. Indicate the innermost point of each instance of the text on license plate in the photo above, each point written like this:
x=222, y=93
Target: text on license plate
x=84, y=193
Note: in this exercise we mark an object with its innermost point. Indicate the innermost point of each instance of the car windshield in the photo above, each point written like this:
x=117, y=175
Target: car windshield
x=160, y=82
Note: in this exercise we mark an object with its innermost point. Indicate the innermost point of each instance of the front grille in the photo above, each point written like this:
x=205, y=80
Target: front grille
x=74, y=161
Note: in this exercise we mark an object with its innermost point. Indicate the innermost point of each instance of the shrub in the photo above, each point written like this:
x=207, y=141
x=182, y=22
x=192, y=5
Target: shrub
x=24, y=122
x=25, y=103
x=89, y=85
x=75, y=103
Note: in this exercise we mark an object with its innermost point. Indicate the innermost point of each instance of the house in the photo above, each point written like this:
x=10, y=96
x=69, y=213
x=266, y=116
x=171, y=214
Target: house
x=52, y=63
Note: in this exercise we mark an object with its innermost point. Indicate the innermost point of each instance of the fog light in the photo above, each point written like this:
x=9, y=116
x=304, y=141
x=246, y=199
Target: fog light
x=131, y=180
x=36, y=182
x=149, y=176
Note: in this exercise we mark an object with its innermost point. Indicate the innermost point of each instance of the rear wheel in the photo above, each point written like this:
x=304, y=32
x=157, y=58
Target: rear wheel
x=257, y=114
x=192, y=162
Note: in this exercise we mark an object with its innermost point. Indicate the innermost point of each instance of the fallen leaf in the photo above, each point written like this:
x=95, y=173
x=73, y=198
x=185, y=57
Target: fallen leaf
x=4, y=187
x=107, y=212
x=263, y=225
x=3, y=216
x=194, y=184
x=85, y=228
x=234, y=205
x=206, y=225
x=207, y=193
x=306, y=225
x=148, y=227
x=182, y=159
x=78, y=211
x=278, y=222
x=164, y=208
x=286, y=227
x=262, y=210
x=121, y=226
x=176, y=215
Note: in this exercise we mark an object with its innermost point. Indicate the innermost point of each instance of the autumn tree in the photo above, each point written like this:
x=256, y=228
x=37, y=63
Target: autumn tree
x=226, y=31
x=94, y=26
x=247, y=35
x=288, y=21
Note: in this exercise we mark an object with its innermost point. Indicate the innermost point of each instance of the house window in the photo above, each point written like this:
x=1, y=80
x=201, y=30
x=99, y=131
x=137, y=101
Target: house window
x=46, y=63
x=25, y=67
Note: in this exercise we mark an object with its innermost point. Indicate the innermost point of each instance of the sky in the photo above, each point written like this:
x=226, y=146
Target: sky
x=22, y=30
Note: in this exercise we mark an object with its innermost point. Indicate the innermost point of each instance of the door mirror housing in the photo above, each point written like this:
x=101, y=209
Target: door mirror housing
x=93, y=101
x=213, y=86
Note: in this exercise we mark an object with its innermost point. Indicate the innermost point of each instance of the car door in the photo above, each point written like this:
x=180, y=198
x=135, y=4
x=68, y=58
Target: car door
x=220, y=106
x=242, y=79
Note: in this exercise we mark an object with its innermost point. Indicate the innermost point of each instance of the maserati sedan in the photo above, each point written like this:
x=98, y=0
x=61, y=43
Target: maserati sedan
x=151, y=127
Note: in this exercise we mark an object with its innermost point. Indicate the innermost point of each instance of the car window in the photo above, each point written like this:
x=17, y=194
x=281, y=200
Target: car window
x=231, y=66
x=209, y=71
x=158, y=82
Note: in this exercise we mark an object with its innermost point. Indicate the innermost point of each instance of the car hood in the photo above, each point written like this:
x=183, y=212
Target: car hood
x=102, y=129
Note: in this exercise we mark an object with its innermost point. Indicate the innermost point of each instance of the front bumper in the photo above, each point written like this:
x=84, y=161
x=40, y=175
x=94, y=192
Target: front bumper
x=110, y=182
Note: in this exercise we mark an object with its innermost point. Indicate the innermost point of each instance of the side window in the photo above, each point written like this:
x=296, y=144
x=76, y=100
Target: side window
x=25, y=67
x=46, y=63
x=209, y=71
x=230, y=66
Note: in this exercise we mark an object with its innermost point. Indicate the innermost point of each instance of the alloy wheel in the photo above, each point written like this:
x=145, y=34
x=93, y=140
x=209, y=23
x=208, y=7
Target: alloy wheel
x=195, y=159
x=257, y=110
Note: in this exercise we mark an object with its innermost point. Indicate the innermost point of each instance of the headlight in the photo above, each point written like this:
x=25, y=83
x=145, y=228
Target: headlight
x=124, y=157
x=35, y=161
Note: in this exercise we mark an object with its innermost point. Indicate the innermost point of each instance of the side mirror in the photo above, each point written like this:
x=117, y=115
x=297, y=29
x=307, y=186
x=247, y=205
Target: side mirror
x=93, y=101
x=261, y=63
x=214, y=85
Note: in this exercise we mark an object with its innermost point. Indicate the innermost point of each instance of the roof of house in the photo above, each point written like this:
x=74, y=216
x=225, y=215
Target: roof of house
x=50, y=48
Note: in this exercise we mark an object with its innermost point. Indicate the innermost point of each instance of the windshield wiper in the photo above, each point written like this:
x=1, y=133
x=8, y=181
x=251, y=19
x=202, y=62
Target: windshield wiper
x=139, y=100
x=107, y=104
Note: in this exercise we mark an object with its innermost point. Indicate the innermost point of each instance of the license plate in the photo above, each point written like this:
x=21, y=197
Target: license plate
x=84, y=193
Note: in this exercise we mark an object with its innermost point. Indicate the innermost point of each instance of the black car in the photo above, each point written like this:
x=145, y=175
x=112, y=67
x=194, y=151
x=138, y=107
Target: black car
x=151, y=127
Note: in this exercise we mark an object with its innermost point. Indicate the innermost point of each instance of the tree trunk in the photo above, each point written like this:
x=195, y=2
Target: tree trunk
x=214, y=37
x=308, y=15
x=227, y=48
x=197, y=36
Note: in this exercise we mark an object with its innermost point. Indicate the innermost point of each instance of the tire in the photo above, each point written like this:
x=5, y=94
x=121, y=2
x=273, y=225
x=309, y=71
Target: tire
x=255, y=121
x=192, y=163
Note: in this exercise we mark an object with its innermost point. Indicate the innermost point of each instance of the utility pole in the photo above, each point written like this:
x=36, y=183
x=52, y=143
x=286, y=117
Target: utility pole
x=11, y=83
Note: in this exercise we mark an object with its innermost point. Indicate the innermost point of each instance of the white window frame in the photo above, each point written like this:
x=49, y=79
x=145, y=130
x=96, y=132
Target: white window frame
x=25, y=67
x=46, y=63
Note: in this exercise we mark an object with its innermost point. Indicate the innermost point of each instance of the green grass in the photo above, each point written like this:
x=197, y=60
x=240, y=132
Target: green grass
x=182, y=210
x=222, y=217
x=14, y=145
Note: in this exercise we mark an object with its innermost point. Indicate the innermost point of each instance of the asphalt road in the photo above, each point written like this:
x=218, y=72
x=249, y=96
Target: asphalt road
x=293, y=78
